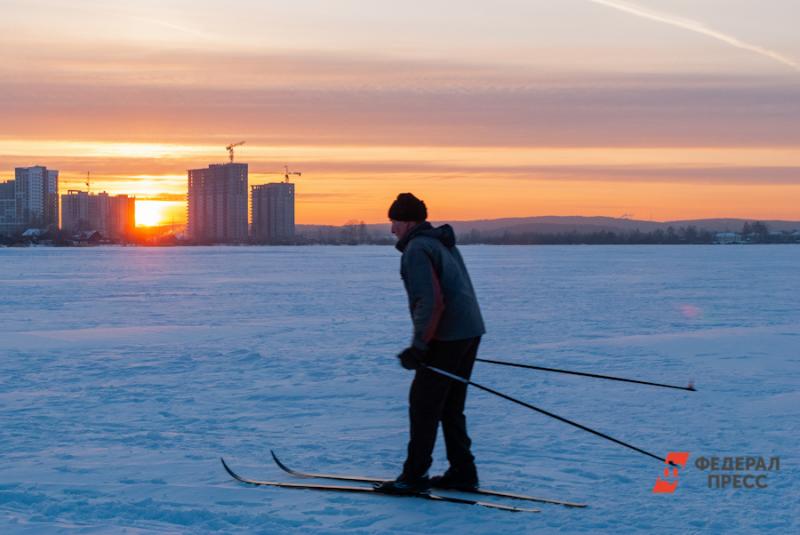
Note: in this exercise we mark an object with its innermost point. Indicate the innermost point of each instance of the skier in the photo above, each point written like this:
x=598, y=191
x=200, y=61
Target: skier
x=447, y=331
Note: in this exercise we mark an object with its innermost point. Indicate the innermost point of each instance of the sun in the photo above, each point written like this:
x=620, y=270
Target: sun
x=149, y=213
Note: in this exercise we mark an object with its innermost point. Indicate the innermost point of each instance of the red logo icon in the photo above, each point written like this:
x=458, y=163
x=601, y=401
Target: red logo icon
x=675, y=460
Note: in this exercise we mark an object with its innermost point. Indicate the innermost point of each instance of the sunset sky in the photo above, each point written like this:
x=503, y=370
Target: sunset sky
x=659, y=109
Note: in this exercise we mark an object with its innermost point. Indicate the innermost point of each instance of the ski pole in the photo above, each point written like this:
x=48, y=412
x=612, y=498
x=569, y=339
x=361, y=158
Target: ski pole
x=690, y=388
x=546, y=413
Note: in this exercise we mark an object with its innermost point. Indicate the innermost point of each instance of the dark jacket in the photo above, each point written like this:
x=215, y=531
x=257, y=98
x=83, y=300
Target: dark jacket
x=440, y=295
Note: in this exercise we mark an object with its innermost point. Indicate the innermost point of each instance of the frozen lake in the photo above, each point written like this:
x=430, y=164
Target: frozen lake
x=125, y=373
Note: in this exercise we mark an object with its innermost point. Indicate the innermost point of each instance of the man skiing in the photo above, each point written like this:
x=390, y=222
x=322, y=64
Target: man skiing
x=447, y=331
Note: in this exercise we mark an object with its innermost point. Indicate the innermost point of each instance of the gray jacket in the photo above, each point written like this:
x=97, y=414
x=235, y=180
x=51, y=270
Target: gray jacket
x=441, y=299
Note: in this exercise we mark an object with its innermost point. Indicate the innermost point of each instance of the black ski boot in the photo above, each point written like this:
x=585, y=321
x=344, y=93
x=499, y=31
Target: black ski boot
x=405, y=486
x=463, y=478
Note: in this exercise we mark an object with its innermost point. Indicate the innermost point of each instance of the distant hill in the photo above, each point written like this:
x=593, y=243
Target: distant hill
x=552, y=225
x=580, y=224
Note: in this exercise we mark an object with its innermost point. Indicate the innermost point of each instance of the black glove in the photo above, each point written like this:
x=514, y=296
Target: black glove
x=411, y=358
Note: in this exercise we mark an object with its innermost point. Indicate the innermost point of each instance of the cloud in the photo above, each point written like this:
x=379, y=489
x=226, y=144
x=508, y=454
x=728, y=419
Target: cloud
x=351, y=173
x=700, y=111
x=672, y=174
x=697, y=27
x=129, y=66
x=676, y=173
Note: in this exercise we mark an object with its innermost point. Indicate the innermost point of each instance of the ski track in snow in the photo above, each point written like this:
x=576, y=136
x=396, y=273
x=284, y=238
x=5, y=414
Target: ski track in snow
x=125, y=373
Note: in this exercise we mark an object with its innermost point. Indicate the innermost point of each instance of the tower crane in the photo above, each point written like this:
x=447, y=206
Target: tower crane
x=286, y=173
x=230, y=149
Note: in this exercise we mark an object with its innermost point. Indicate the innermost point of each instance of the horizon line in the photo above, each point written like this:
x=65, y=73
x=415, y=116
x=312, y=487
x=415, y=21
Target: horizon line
x=447, y=221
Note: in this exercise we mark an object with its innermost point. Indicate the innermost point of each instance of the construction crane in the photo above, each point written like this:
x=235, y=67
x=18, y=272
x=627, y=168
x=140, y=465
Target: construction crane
x=286, y=173
x=88, y=181
x=230, y=149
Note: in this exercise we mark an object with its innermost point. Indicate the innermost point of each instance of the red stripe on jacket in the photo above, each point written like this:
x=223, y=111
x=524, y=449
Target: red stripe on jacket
x=438, y=308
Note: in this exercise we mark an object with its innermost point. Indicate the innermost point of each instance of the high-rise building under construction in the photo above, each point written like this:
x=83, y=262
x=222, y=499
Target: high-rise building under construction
x=114, y=216
x=273, y=213
x=217, y=203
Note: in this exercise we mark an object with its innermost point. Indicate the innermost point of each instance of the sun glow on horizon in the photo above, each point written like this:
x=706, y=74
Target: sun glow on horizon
x=157, y=213
x=342, y=182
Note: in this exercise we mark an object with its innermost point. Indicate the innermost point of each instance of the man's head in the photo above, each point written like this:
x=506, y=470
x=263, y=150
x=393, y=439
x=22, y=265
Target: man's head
x=406, y=212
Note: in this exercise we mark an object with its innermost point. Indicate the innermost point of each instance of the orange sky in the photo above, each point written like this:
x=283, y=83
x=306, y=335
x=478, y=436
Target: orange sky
x=553, y=113
x=343, y=182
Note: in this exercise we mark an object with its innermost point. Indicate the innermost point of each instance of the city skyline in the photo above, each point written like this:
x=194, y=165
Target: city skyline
x=660, y=109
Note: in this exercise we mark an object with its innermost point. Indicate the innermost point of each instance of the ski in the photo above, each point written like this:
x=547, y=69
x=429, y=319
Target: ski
x=362, y=479
x=370, y=490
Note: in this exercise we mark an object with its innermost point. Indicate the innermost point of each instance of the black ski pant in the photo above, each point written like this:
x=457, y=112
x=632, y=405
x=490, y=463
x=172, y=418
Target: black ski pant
x=435, y=398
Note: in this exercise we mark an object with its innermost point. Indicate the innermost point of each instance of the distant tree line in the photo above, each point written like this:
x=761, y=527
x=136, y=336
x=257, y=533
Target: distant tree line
x=668, y=236
x=357, y=233
x=353, y=232
x=757, y=232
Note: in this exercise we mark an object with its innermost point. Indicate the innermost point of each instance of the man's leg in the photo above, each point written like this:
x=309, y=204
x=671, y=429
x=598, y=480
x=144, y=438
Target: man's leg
x=454, y=423
x=427, y=397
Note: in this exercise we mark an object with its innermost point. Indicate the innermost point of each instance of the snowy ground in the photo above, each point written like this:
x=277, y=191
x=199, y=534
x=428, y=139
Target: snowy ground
x=126, y=372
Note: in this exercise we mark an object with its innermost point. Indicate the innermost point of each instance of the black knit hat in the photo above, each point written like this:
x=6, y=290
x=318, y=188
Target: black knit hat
x=408, y=208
